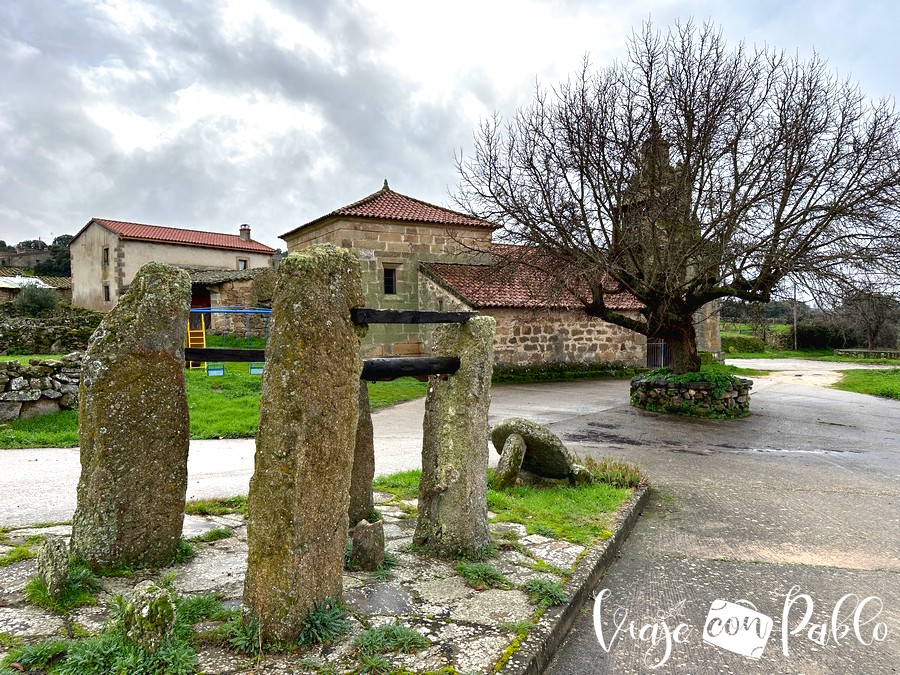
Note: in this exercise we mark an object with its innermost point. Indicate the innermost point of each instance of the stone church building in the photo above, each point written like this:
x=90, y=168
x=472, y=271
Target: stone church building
x=415, y=255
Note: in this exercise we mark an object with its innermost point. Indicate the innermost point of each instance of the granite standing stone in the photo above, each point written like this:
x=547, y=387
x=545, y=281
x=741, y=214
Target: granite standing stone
x=53, y=565
x=133, y=426
x=510, y=462
x=368, y=545
x=453, y=488
x=149, y=616
x=299, y=493
x=362, y=503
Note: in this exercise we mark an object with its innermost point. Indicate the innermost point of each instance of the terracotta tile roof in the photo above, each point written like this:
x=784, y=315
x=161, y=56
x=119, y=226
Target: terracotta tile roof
x=513, y=281
x=55, y=282
x=175, y=235
x=389, y=205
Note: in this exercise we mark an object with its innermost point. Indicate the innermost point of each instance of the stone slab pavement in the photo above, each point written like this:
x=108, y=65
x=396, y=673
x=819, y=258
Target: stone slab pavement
x=799, y=500
x=39, y=485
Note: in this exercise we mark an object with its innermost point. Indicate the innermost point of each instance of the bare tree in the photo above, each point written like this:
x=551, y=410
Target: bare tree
x=689, y=172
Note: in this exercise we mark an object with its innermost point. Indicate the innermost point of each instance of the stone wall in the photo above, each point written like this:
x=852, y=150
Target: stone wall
x=869, y=353
x=697, y=399
x=40, y=387
x=530, y=336
x=65, y=329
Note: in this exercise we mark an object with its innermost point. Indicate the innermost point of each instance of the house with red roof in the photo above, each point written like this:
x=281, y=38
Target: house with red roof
x=415, y=255
x=106, y=254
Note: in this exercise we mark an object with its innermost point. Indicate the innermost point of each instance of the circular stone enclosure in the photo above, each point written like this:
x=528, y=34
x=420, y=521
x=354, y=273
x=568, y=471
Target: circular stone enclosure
x=696, y=399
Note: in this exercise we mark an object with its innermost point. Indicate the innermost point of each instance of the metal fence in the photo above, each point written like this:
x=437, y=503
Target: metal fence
x=658, y=353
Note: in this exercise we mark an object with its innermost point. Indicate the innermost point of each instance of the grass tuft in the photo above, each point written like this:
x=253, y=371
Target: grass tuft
x=390, y=639
x=545, y=593
x=184, y=552
x=15, y=555
x=215, y=534
x=325, y=623
x=615, y=473
x=217, y=507
x=482, y=575
x=80, y=590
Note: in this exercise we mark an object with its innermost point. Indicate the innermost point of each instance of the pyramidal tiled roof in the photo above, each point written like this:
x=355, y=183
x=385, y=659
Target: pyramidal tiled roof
x=389, y=205
x=516, y=279
x=175, y=235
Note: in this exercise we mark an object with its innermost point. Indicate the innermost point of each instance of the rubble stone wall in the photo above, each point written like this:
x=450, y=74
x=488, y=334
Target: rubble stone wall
x=698, y=399
x=39, y=387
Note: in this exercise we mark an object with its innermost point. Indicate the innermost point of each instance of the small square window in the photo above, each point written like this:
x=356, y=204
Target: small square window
x=106, y=257
x=242, y=263
x=390, y=281
x=106, y=292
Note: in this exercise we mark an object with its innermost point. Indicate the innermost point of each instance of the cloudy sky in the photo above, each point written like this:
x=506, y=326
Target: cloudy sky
x=211, y=113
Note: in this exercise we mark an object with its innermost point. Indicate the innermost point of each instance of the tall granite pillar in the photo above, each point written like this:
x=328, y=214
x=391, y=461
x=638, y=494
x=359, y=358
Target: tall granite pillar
x=299, y=493
x=362, y=503
x=453, y=488
x=133, y=426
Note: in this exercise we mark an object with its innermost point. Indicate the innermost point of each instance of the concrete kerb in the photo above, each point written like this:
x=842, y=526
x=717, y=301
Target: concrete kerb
x=538, y=648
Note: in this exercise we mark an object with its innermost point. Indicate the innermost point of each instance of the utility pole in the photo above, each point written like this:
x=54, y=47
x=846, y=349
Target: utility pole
x=795, y=316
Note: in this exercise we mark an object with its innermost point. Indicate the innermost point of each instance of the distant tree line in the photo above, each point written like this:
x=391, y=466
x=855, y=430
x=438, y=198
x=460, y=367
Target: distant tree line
x=864, y=319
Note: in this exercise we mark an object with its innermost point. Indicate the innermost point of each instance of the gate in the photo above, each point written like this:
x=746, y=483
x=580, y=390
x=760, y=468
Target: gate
x=658, y=353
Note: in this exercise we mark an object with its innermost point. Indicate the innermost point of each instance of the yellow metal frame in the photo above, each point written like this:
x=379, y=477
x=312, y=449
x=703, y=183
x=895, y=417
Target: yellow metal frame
x=197, y=340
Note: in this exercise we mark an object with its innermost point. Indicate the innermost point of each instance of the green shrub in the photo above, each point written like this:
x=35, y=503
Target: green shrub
x=815, y=335
x=35, y=300
x=732, y=344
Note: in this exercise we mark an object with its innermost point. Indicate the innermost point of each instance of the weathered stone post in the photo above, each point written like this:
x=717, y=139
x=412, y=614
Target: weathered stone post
x=362, y=503
x=299, y=493
x=133, y=426
x=453, y=489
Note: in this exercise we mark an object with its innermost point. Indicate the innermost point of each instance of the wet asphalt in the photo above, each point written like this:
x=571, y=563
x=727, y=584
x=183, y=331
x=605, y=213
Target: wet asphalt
x=787, y=511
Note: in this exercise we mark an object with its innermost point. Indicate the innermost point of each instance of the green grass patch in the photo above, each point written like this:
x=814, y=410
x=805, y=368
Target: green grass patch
x=215, y=534
x=883, y=383
x=15, y=555
x=80, y=590
x=575, y=514
x=479, y=575
x=217, y=507
x=220, y=407
x=56, y=430
x=385, y=394
x=404, y=484
x=230, y=341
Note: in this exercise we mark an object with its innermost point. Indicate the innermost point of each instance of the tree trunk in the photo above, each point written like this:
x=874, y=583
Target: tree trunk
x=683, y=343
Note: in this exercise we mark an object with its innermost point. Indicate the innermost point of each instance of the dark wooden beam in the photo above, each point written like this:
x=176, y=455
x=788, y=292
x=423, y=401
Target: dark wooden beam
x=380, y=370
x=231, y=355
x=374, y=370
x=365, y=315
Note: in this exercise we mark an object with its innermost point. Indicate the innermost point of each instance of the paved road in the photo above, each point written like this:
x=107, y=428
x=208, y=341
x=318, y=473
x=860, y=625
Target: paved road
x=39, y=485
x=804, y=493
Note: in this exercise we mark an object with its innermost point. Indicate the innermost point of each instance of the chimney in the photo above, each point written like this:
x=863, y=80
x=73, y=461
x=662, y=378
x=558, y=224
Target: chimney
x=245, y=232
